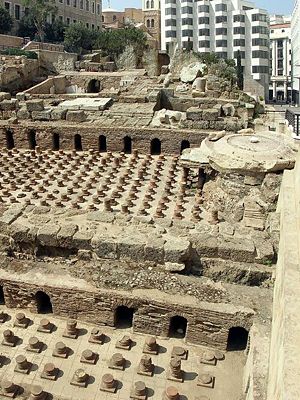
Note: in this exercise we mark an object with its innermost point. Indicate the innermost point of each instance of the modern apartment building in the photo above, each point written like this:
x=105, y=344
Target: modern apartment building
x=280, y=58
x=152, y=18
x=223, y=27
x=88, y=12
x=295, y=25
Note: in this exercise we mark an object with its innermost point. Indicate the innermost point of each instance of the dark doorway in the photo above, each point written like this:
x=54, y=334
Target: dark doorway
x=2, y=298
x=124, y=317
x=237, y=339
x=102, y=144
x=44, y=305
x=77, y=142
x=155, y=148
x=32, y=139
x=127, y=145
x=55, y=141
x=10, y=144
x=178, y=326
x=185, y=144
x=94, y=86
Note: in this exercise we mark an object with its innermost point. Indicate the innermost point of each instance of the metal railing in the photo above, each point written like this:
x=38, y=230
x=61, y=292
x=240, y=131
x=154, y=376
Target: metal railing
x=293, y=118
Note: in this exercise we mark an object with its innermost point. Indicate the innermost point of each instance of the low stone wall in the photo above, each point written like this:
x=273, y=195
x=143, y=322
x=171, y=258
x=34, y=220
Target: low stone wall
x=7, y=41
x=207, y=324
x=56, y=62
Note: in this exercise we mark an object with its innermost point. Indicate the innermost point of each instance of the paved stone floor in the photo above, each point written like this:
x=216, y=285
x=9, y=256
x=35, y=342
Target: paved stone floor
x=139, y=184
x=227, y=373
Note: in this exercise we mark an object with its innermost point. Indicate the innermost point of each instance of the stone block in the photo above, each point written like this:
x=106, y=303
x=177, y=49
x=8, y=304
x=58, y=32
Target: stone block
x=104, y=246
x=76, y=116
x=5, y=243
x=58, y=113
x=65, y=235
x=19, y=232
x=228, y=110
x=23, y=113
x=9, y=105
x=5, y=96
x=44, y=115
x=35, y=105
x=21, y=96
x=47, y=235
x=236, y=249
x=194, y=114
x=154, y=250
x=82, y=239
x=177, y=250
x=131, y=248
x=210, y=115
x=174, y=267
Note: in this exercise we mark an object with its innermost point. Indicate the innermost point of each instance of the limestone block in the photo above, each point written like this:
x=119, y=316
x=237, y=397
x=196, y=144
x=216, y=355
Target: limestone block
x=19, y=232
x=5, y=243
x=192, y=71
x=199, y=84
x=20, y=96
x=164, y=69
x=65, y=235
x=154, y=250
x=11, y=214
x=9, y=105
x=82, y=239
x=23, y=113
x=35, y=105
x=177, y=250
x=76, y=116
x=182, y=88
x=44, y=115
x=210, y=115
x=228, y=110
x=5, y=96
x=196, y=94
x=57, y=114
x=206, y=245
x=194, y=114
x=236, y=248
x=131, y=247
x=105, y=246
x=174, y=267
x=47, y=235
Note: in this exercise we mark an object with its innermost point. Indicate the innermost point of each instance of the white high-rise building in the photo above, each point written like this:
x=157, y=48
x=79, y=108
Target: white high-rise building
x=223, y=27
x=280, y=58
x=296, y=52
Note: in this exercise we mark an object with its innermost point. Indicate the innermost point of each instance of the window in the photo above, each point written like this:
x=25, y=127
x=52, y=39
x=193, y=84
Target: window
x=74, y=21
x=260, y=29
x=98, y=9
x=221, y=18
x=148, y=4
x=81, y=4
x=260, y=69
x=242, y=53
x=187, y=10
x=221, y=43
x=239, y=42
x=171, y=34
x=7, y=6
x=239, y=18
x=204, y=32
x=68, y=2
x=93, y=8
x=204, y=43
x=203, y=20
x=87, y=5
x=17, y=12
x=152, y=23
x=93, y=26
x=68, y=21
x=221, y=7
x=171, y=22
x=187, y=32
x=152, y=3
x=61, y=18
x=260, y=54
x=222, y=54
x=239, y=30
x=221, y=31
x=259, y=17
x=171, y=11
x=75, y=3
x=260, y=42
x=148, y=23
x=187, y=21
x=170, y=1
x=203, y=8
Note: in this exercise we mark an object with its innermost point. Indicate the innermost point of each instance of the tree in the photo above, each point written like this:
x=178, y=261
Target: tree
x=39, y=11
x=27, y=27
x=6, y=21
x=239, y=71
x=55, y=32
x=79, y=38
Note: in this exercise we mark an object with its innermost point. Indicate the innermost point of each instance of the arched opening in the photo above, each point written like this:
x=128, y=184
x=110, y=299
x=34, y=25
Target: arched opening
x=77, y=142
x=44, y=305
x=152, y=3
x=55, y=141
x=237, y=339
x=102, y=144
x=32, y=139
x=152, y=23
x=127, y=145
x=124, y=317
x=94, y=86
x=148, y=4
x=2, y=298
x=10, y=144
x=155, y=148
x=185, y=144
x=148, y=23
x=178, y=326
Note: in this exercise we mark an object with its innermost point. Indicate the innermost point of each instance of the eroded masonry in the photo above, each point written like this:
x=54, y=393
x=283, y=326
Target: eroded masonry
x=140, y=214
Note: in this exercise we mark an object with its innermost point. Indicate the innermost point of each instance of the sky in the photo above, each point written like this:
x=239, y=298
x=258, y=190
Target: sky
x=273, y=6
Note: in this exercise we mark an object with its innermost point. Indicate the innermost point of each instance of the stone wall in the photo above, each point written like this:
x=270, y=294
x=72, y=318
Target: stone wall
x=141, y=138
x=7, y=41
x=55, y=62
x=17, y=73
x=207, y=324
x=284, y=373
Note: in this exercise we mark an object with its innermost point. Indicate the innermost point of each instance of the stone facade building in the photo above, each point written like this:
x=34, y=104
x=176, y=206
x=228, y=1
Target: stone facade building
x=281, y=58
x=152, y=18
x=223, y=27
x=68, y=11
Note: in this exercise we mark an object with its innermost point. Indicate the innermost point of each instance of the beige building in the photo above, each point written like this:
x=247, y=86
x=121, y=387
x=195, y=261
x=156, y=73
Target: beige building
x=69, y=11
x=115, y=19
x=151, y=13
